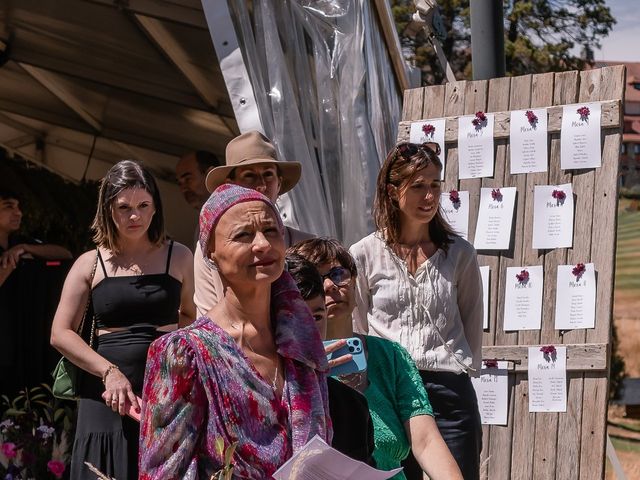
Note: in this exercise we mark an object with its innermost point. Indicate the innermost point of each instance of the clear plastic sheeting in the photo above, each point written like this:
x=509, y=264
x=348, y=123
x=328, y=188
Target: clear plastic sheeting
x=327, y=96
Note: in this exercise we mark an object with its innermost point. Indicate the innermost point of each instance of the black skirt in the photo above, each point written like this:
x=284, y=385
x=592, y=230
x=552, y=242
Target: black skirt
x=104, y=438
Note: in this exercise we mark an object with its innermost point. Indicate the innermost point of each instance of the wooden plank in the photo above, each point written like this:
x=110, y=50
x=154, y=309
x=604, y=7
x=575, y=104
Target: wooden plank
x=523, y=432
x=603, y=256
x=411, y=107
x=454, y=105
x=569, y=445
x=498, y=100
x=475, y=99
x=501, y=436
x=433, y=104
x=611, y=110
x=580, y=356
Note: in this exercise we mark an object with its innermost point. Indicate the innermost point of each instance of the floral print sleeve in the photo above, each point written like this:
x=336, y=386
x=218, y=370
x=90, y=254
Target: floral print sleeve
x=173, y=411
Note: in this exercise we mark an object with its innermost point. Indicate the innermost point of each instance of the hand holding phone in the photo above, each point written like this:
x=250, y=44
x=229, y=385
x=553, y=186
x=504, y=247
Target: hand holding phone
x=345, y=356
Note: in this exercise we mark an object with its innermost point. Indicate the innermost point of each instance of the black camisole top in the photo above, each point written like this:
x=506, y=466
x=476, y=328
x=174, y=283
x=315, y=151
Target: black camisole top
x=152, y=299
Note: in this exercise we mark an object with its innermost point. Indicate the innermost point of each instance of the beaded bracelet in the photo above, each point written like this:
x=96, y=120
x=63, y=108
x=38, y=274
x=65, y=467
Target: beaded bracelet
x=107, y=372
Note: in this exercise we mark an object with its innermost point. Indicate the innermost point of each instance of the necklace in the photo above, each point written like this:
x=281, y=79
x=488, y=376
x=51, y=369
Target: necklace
x=274, y=382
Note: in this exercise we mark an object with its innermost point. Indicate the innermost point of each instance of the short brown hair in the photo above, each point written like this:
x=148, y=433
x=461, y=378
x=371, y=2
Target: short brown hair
x=123, y=175
x=398, y=169
x=322, y=250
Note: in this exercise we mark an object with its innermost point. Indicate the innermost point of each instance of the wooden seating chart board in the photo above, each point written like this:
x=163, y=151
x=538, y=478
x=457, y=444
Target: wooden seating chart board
x=546, y=446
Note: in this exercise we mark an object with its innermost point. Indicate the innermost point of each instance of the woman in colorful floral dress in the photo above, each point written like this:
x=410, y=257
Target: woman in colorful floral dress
x=251, y=372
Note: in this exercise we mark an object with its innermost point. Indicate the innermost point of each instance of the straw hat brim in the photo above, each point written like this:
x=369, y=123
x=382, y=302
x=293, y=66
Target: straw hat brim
x=290, y=172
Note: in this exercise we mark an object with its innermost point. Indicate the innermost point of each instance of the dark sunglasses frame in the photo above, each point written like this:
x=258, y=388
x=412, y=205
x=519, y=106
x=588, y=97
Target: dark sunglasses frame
x=333, y=271
x=408, y=150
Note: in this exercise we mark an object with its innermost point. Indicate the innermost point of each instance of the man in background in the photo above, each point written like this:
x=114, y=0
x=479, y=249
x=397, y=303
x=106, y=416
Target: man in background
x=13, y=246
x=191, y=172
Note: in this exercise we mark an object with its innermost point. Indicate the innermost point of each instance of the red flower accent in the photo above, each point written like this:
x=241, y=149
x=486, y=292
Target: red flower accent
x=480, y=120
x=549, y=352
x=56, y=467
x=491, y=363
x=584, y=113
x=522, y=277
x=559, y=195
x=428, y=129
x=532, y=117
x=9, y=449
x=454, y=196
x=579, y=270
x=496, y=194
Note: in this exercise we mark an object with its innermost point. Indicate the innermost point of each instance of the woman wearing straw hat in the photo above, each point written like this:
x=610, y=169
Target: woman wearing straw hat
x=251, y=162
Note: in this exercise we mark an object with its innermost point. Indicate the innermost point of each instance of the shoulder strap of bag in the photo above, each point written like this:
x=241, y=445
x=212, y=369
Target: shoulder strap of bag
x=88, y=304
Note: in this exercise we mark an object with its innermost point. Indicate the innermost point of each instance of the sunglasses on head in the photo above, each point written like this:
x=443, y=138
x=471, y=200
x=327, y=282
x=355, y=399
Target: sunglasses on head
x=340, y=276
x=408, y=150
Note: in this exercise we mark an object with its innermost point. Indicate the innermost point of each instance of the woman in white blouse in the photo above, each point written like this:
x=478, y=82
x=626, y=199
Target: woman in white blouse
x=420, y=285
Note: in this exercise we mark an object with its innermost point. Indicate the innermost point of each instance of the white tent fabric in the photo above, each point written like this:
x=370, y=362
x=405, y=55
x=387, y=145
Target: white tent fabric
x=327, y=95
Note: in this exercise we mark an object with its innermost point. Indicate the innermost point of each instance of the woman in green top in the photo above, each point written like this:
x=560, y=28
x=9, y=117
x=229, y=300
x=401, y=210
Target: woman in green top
x=399, y=406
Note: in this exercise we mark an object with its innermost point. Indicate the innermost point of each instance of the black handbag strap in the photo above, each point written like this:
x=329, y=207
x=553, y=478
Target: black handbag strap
x=88, y=304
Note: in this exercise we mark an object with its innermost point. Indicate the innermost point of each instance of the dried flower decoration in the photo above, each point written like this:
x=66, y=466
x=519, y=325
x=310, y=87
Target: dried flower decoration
x=579, y=270
x=491, y=363
x=549, y=352
x=584, y=113
x=560, y=196
x=496, y=194
x=480, y=120
x=522, y=277
x=532, y=117
x=454, y=196
x=428, y=129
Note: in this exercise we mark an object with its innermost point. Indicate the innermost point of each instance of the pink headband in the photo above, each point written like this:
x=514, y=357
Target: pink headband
x=222, y=199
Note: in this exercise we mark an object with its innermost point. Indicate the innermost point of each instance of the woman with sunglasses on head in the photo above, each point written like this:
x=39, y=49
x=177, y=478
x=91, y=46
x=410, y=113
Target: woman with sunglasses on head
x=420, y=285
x=399, y=406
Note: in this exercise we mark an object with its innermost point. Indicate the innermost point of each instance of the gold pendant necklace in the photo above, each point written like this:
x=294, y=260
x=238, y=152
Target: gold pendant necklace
x=274, y=382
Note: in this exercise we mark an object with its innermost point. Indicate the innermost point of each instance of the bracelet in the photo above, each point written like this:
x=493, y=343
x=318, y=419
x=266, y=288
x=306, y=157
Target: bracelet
x=107, y=372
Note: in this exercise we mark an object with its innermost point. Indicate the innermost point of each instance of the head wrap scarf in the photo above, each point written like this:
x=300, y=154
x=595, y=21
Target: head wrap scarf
x=222, y=199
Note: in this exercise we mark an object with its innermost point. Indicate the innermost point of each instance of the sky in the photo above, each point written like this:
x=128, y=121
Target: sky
x=623, y=42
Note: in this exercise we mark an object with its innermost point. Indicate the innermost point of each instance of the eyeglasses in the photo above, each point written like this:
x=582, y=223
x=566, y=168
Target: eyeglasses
x=408, y=150
x=340, y=276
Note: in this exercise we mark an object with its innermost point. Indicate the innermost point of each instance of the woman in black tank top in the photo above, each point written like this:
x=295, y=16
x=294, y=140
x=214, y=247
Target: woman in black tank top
x=138, y=285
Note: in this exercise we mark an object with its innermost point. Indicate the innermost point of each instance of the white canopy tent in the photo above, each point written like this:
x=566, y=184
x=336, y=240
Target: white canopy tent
x=85, y=83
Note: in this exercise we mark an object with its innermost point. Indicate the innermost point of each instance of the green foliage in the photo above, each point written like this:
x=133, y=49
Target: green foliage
x=540, y=35
x=54, y=210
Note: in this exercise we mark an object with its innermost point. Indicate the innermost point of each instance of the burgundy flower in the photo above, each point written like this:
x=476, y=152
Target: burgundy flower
x=579, y=270
x=9, y=449
x=428, y=129
x=549, y=352
x=532, y=117
x=496, y=194
x=454, y=196
x=522, y=277
x=559, y=195
x=56, y=467
x=491, y=363
x=584, y=113
x=480, y=120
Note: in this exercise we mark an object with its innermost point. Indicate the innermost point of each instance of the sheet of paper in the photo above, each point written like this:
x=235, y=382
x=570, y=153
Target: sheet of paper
x=495, y=218
x=317, y=460
x=547, y=380
x=523, y=298
x=528, y=141
x=430, y=131
x=484, y=274
x=455, y=207
x=580, y=136
x=475, y=147
x=492, y=390
x=553, y=216
x=576, y=296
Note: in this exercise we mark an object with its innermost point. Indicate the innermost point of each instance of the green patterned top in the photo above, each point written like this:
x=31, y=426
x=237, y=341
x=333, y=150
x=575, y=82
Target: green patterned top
x=395, y=394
